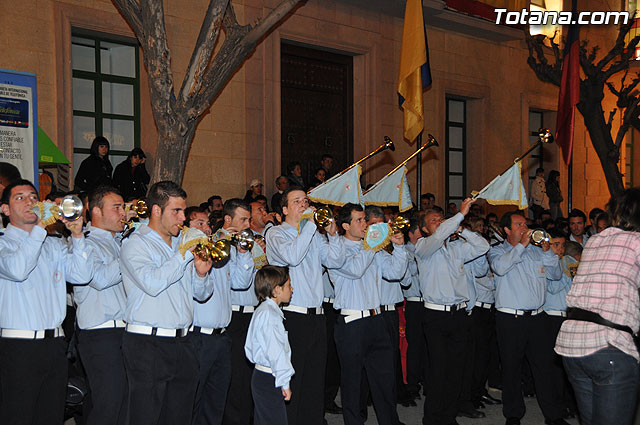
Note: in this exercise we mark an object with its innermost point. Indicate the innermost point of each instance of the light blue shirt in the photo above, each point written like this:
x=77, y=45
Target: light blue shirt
x=410, y=282
x=390, y=290
x=236, y=274
x=475, y=269
x=358, y=281
x=329, y=291
x=557, y=290
x=305, y=254
x=441, y=266
x=34, y=270
x=484, y=284
x=267, y=343
x=521, y=274
x=103, y=298
x=159, y=283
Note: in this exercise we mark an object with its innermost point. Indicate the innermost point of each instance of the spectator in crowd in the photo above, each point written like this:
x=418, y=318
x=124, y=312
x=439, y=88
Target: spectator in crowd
x=131, y=176
x=602, y=222
x=255, y=189
x=318, y=177
x=577, y=221
x=282, y=184
x=9, y=173
x=95, y=170
x=295, y=175
x=596, y=342
x=452, y=209
x=539, y=199
x=593, y=214
x=554, y=193
x=327, y=164
x=427, y=201
x=215, y=203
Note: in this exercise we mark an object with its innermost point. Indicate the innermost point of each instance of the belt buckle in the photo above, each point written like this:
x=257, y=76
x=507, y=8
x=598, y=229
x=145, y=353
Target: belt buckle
x=373, y=312
x=49, y=333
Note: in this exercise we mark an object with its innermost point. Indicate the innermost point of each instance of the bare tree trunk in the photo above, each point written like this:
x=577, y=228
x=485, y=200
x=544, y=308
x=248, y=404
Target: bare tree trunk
x=590, y=106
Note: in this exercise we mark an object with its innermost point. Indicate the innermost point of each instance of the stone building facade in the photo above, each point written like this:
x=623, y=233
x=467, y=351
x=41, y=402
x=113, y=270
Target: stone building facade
x=471, y=59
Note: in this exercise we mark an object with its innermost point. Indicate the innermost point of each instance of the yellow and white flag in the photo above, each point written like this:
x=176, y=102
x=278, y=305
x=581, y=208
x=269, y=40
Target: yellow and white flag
x=506, y=189
x=391, y=191
x=340, y=189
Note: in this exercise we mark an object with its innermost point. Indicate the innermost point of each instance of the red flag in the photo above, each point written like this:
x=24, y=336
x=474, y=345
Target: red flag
x=569, y=91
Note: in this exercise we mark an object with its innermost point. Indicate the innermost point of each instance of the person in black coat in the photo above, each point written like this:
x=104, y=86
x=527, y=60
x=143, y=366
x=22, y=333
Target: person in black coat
x=131, y=176
x=95, y=170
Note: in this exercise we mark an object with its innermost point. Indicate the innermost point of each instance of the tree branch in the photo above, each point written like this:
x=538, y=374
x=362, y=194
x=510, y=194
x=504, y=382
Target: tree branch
x=203, y=49
x=538, y=62
x=239, y=41
x=130, y=10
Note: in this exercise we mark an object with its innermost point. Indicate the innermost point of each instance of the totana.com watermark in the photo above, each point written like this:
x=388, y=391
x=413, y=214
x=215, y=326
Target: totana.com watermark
x=538, y=17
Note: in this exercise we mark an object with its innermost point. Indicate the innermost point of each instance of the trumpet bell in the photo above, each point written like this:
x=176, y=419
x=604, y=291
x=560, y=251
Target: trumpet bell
x=70, y=208
x=243, y=240
x=545, y=136
x=140, y=208
x=220, y=253
x=399, y=223
x=323, y=216
x=539, y=236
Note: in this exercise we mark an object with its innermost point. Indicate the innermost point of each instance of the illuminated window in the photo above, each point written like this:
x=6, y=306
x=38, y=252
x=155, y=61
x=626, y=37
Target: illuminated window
x=548, y=29
x=105, y=94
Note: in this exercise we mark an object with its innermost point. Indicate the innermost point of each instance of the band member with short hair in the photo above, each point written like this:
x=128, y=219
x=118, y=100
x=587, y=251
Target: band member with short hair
x=305, y=253
x=34, y=269
x=520, y=272
x=100, y=310
x=445, y=290
x=160, y=359
x=362, y=340
x=212, y=342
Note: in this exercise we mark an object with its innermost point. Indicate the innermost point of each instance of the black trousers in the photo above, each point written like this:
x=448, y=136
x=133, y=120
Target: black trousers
x=416, y=345
x=392, y=323
x=163, y=377
x=483, y=335
x=308, y=340
x=565, y=390
x=269, y=401
x=447, y=335
x=214, y=359
x=364, y=345
x=465, y=400
x=33, y=378
x=239, y=406
x=332, y=372
x=101, y=355
x=520, y=337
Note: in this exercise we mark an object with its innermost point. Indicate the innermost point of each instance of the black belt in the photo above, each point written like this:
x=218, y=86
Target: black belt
x=574, y=313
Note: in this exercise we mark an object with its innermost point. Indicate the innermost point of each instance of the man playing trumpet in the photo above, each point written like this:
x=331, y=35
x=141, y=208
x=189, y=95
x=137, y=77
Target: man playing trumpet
x=305, y=253
x=33, y=303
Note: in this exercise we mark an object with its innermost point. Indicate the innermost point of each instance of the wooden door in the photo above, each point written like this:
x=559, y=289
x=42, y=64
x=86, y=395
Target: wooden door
x=317, y=108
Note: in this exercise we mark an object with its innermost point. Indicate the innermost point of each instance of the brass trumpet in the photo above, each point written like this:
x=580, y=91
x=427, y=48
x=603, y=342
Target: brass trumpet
x=399, y=224
x=70, y=208
x=140, y=208
x=545, y=136
x=323, y=216
x=218, y=251
x=243, y=240
x=539, y=236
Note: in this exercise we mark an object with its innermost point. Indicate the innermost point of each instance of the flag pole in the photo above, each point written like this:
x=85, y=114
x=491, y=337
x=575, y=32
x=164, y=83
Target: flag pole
x=419, y=170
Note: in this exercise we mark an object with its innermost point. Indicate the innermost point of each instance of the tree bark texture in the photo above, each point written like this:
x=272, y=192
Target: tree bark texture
x=177, y=117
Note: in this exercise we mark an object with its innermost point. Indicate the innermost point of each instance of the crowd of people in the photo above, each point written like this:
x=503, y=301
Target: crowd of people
x=165, y=334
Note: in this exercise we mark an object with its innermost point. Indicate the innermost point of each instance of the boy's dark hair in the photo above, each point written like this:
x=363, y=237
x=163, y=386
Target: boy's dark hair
x=53, y=195
x=231, y=205
x=595, y=212
x=6, y=194
x=284, y=201
x=261, y=198
x=344, y=216
x=213, y=198
x=506, y=221
x=160, y=193
x=578, y=213
x=267, y=278
x=325, y=156
x=97, y=196
x=292, y=165
x=427, y=196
